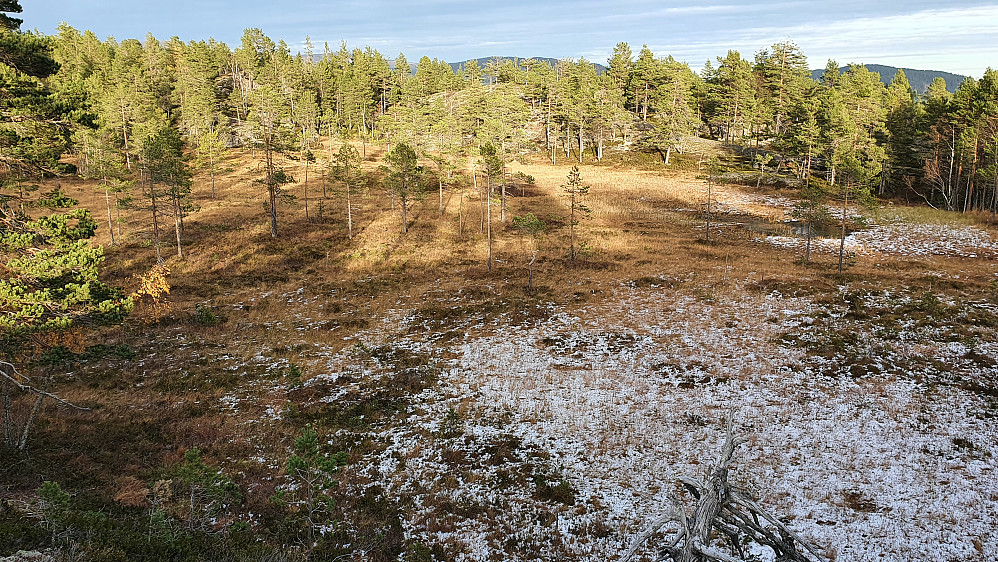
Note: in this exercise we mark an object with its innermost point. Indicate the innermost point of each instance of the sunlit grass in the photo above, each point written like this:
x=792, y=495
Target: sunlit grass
x=928, y=215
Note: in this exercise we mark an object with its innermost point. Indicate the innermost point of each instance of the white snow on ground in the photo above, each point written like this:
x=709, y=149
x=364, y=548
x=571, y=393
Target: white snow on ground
x=628, y=394
x=622, y=396
x=905, y=239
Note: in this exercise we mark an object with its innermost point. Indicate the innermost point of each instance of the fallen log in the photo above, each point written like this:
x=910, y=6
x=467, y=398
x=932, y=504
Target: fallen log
x=724, y=508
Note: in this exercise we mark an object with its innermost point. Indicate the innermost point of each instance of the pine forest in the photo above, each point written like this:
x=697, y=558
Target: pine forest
x=284, y=304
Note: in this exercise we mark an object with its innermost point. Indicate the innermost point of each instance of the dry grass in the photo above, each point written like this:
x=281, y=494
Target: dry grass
x=643, y=224
x=312, y=289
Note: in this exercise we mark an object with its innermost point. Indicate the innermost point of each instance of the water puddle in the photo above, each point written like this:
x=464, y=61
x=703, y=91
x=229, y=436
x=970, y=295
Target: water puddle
x=797, y=229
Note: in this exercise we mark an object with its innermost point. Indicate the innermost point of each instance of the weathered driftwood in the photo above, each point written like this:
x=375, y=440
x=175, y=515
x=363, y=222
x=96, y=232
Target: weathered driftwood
x=731, y=512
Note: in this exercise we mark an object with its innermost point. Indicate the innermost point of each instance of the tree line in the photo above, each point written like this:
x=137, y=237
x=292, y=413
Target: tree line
x=128, y=108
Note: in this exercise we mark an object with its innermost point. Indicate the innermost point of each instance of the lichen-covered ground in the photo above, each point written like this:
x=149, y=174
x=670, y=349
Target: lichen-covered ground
x=870, y=417
x=482, y=421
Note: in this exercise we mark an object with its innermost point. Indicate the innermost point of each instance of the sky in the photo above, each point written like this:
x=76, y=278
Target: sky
x=959, y=36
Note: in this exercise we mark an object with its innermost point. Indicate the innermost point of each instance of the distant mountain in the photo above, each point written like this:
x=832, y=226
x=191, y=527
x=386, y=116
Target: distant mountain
x=919, y=79
x=457, y=66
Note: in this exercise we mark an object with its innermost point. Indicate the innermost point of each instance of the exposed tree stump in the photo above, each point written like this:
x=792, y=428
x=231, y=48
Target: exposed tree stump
x=727, y=509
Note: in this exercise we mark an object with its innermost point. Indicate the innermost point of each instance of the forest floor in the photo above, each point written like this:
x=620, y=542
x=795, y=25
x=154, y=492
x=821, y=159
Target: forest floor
x=492, y=421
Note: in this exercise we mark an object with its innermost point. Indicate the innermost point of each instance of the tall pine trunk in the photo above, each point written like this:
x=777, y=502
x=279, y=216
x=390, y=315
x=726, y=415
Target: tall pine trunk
x=488, y=220
x=155, y=219
x=176, y=224
x=107, y=201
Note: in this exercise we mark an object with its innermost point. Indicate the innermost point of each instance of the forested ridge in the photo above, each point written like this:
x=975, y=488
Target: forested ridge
x=114, y=96
x=345, y=307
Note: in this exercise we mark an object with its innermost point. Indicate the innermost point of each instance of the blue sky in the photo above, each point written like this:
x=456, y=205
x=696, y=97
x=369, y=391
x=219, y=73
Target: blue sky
x=957, y=36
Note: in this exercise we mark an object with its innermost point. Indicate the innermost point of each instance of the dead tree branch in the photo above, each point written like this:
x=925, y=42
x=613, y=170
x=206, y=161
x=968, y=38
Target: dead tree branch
x=723, y=508
x=11, y=374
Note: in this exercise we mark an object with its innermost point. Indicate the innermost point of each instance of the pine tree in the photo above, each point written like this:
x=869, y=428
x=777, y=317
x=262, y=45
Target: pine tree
x=576, y=191
x=200, y=113
x=346, y=169
x=853, y=121
x=901, y=124
x=620, y=65
x=532, y=227
x=6, y=22
x=270, y=119
x=785, y=78
x=493, y=166
x=733, y=90
x=811, y=210
x=50, y=290
x=100, y=160
x=645, y=77
x=168, y=177
x=404, y=178
x=674, y=117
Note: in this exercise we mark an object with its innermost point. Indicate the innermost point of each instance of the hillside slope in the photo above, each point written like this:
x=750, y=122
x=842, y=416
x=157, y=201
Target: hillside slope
x=919, y=79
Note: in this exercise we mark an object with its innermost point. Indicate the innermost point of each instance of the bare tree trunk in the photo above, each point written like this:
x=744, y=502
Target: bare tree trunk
x=807, y=252
x=8, y=423
x=502, y=207
x=211, y=167
x=176, y=225
x=547, y=135
x=481, y=201
x=530, y=270
x=305, y=190
x=488, y=228
x=710, y=196
x=349, y=214
x=117, y=213
x=155, y=220
x=571, y=230
x=107, y=201
x=271, y=184
x=124, y=138
x=842, y=237
x=22, y=443
x=404, y=204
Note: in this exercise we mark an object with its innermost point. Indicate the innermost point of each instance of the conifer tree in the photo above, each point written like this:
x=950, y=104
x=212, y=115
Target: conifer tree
x=576, y=191
x=532, y=227
x=620, y=66
x=346, y=168
x=733, y=89
x=51, y=286
x=675, y=117
x=901, y=124
x=51, y=290
x=645, y=77
x=200, y=113
x=168, y=177
x=785, y=77
x=10, y=7
x=404, y=178
x=100, y=160
x=270, y=119
x=493, y=166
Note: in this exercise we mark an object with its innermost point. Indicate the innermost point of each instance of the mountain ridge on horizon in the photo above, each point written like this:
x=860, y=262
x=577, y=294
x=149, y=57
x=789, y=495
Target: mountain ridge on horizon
x=918, y=78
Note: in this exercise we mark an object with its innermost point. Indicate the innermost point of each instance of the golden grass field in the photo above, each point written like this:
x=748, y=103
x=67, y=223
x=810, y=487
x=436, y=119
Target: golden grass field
x=321, y=302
